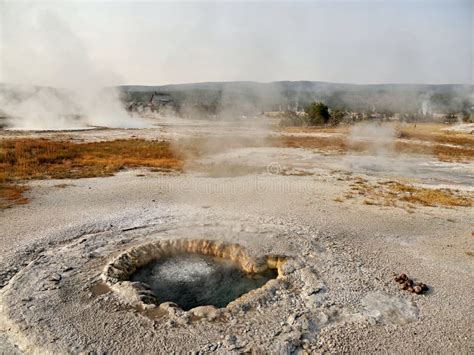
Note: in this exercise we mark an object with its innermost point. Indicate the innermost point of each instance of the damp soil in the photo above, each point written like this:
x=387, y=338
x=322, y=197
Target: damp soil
x=197, y=280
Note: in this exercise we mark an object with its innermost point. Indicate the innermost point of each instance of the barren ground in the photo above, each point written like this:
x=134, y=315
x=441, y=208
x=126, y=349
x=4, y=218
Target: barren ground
x=348, y=219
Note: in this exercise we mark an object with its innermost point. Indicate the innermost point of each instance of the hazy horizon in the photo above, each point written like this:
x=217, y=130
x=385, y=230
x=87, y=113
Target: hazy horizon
x=74, y=43
x=259, y=82
x=283, y=80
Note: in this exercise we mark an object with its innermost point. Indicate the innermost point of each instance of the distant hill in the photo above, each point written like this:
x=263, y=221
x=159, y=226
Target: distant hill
x=247, y=98
x=254, y=96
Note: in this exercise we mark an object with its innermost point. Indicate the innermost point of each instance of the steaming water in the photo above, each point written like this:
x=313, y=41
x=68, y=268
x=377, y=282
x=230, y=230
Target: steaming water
x=425, y=170
x=421, y=168
x=198, y=280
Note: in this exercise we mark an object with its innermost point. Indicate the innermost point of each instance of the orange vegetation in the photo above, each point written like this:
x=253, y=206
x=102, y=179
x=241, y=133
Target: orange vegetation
x=391, y=193
x=24, y=159
x=426, y=139
x=436, y=133
x=336, y=144
x=12, y=195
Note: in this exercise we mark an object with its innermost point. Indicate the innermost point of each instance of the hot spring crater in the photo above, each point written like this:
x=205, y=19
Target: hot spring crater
x=190, y=274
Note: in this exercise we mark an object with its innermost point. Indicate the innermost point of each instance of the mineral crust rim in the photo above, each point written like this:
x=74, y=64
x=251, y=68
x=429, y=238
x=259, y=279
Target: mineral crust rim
x=118, y=271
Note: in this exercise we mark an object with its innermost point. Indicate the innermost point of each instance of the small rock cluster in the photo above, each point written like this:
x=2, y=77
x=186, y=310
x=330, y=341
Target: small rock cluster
x=408, y=284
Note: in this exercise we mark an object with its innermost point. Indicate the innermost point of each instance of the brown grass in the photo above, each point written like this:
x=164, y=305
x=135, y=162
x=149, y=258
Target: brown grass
x=446, y=145
x=442, y=152
x=62, y=186
x=335, y=144
x=426, y=139
x=393, y=193
x=25, y=159
x=429, y=197
x=12, y=195
x=435, y=133
x=338, y=129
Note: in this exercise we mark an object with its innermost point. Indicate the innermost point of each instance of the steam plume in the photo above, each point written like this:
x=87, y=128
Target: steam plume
x=59, y=59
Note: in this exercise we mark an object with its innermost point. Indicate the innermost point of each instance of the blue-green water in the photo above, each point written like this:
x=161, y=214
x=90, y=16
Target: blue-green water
x=194, y=280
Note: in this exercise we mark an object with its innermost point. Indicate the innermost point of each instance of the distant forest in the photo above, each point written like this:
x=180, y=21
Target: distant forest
x=252, y=97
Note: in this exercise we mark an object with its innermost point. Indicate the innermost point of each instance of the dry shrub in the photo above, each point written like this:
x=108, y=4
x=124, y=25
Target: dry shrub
x=429, y=197
x=391, y=193
x=24, y=159
x=41, y=158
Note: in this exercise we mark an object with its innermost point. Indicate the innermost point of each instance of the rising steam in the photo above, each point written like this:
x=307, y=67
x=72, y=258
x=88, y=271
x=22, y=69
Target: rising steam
x=54, y=57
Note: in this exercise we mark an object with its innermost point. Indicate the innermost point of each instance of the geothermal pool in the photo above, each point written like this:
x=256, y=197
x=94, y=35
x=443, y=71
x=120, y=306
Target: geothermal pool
x=194, y=280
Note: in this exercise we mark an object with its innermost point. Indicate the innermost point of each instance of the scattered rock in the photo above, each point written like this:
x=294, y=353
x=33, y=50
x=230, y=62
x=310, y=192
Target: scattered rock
x=55, y=277
x=230, y=339
x=407, y=284
x=288, y=268
x=401, y=278
x=291, y=319
x=208, y=312
x=420, y=288
x=171, y=323
x=209, y=347
x=169, y=307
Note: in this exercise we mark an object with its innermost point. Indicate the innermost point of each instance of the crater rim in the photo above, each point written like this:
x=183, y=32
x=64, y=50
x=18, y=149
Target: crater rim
x=117, y=273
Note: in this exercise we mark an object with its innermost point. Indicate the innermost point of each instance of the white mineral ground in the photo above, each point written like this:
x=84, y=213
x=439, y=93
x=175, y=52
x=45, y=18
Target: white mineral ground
x=340, y=297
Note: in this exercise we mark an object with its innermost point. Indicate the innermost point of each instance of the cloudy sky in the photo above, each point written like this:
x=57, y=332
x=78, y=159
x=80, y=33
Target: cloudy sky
x=66, y=43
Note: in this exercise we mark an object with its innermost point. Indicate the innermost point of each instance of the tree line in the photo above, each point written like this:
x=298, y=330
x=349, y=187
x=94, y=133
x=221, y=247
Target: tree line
x=319, y=114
